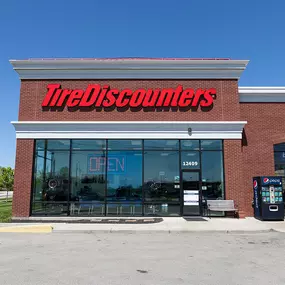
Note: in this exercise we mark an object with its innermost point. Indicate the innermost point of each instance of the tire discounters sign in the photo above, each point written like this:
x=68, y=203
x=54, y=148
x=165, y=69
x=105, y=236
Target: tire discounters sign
x=102, y=96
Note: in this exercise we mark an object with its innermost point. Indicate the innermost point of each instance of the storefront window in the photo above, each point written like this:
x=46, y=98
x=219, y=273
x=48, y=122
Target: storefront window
x=124, y=177
x=88, y=144
x=279, y=160
x=40, y=144
x=161, y=144
x=124, y=187
x=39, y=176
x=190, y=145
x=212, y=175
x=161, y=170
x=190, y=160
x=88, y=182
x=211, y=145
x=51, y=182
x=58, y=144
x=125, y=144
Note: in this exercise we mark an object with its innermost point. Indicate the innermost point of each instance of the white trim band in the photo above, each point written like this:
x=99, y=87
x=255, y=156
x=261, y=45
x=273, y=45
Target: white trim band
x=129, y=68
x=261, y=94
x=129, y=130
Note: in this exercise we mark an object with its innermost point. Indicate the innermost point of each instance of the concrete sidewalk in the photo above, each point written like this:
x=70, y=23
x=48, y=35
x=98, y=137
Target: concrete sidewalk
x=169, y=225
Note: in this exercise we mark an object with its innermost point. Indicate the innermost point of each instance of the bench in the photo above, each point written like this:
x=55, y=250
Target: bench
x=221, y=205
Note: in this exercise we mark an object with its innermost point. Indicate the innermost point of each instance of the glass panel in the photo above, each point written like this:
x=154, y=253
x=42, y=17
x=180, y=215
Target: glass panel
x=211, y=145
x=39, y=176
x=190, y=160
x=88, y=144
x=279, y=147
x=279, y=158
x=191, y=193
x=124, y=182
x=56, y=176
x=124, y=209
x=189, y=144
x=124, y=144
x=51, y=183
x=162, y=210
x=161, y=176
x=87, y=208
x=88, y=182
x=161, y=144
x=40, y=144
x=58, y=144
x=49, y=208
x=212, y=175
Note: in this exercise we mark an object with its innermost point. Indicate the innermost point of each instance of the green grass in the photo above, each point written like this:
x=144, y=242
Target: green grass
x=5, y=210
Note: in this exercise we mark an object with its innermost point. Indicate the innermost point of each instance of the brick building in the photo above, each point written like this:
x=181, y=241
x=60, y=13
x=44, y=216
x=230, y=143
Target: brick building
x=142, y=136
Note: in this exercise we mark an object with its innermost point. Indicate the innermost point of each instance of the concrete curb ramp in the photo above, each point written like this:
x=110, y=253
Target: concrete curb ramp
x=27, y=229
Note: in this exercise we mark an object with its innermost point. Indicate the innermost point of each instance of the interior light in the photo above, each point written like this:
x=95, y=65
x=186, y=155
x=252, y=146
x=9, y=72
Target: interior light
x=187, y=143
x=191, y=154
x=136, y=142
x=207, y=142
x=171, y=142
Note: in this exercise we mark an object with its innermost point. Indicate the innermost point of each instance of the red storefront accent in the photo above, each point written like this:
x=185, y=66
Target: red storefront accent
x=103, y=96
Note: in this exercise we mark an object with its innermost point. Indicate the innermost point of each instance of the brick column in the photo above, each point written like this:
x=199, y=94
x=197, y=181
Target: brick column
x=234, y=188
x=23, y=178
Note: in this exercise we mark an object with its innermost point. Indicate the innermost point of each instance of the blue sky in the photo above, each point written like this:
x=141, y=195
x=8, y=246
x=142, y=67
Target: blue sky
x=239, y=29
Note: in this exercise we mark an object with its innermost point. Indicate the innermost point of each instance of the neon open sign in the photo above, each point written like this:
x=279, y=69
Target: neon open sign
x=115, y=164
x=98, y=96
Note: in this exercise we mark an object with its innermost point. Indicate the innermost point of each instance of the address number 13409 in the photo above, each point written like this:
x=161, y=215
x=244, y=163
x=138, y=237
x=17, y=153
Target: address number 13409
x=190, y=163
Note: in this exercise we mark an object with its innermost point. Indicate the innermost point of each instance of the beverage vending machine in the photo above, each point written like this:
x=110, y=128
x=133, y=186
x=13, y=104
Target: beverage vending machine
x=268, y=198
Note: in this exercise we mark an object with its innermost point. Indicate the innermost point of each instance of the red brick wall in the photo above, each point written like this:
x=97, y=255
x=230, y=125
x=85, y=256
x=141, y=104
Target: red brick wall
x=234, y=174
x=23, y=178
x=265, y=126
x=226, y=108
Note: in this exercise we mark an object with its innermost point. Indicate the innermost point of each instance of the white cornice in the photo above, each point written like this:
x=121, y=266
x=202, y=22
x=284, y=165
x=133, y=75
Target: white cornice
x=129, y=68
x=261, y=94
x=129, y=129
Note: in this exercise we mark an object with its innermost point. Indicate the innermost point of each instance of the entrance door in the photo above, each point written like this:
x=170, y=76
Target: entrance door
x=191, y=193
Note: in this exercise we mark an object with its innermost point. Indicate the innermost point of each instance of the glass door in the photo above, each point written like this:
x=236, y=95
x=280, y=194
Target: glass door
x=191, y=193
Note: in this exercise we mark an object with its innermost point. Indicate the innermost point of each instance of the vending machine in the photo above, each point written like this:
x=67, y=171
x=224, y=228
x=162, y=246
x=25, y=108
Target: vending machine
x=268, y=198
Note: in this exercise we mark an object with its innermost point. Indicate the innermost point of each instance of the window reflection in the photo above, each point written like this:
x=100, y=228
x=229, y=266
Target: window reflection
x=190, y=144
x=125, y=144
x=88, y=144
x=124, y=180
x=212, y=175
x=88, y=180
x=56, y=175
x=279, y=160
x=124, y=172
x=51, y=184
x=58, y=144
x=161, y=144
x=211, y=145
x=161, y=173
x=39, y=176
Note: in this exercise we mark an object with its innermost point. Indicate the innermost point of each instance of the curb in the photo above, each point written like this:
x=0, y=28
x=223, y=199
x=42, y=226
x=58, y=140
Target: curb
x=27, y=229
x=120, y=231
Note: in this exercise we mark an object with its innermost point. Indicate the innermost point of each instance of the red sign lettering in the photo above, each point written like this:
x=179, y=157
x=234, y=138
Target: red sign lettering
x=98, y=96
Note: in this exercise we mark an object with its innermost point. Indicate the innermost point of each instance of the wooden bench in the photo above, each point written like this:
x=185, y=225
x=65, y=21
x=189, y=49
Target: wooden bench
x=221, y=205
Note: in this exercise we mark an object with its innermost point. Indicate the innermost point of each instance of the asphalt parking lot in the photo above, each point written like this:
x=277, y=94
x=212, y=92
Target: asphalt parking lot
x=145, y=258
